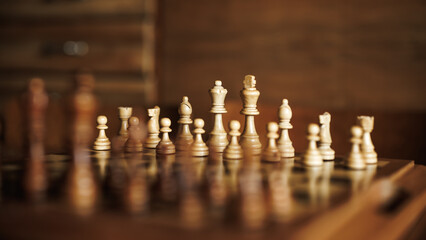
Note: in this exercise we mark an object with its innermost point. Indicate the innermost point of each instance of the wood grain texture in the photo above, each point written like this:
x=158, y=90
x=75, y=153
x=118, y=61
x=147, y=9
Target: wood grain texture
x=323, y=54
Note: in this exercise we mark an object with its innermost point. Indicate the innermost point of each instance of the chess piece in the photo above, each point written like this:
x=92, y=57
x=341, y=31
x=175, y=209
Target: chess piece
x=35, y=179
x=102, y=142
x=83, y=197
x=153, y=128
x=199, y=148
x=134, y=141
x=271, y=152
x=184, y=137
x=284, y=143
x=233, y=150
x=367, y=147
x=218, y=139
x=312, y=156
x=124, y=113
x=355, y=159
x=325, y=137
x=249, y=95
x=165, y=146
x=84, y=108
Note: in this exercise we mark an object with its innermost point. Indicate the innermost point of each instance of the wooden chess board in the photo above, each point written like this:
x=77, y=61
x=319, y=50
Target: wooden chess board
x=294, y=198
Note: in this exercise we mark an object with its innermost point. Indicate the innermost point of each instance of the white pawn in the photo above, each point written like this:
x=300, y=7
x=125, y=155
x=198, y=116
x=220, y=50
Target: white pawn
x=199, y=147
x=367, y=124
x=102, y=142
x=325, y=137
x=233, y=150
x=165, y=146
x=355, y=159
x=284, y=143
x=312, y=155
x=271, y=152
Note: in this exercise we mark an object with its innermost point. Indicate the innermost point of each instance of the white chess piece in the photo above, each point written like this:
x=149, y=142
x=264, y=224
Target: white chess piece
x=325, y=137
x=233, y=150
x=284, y=143
x=312, y=155
x=367, y=147
x=102, y=142
x=199, y=148
x=218, y=139
x=355, y=159
x=271, y=152
x=249, y=140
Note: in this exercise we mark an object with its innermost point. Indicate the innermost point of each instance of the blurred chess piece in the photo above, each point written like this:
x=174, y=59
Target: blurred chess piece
x=82, y=189
x=35, y=179
x=325, y=137
x=153, y=128
x=312, y=156
x=218, y=138
x=134, y=140
x=102, y=142
x=284, y=143
x=84, y=107
x=271, y=152
x=249, y=95
x=184, y=137
x=367, y=147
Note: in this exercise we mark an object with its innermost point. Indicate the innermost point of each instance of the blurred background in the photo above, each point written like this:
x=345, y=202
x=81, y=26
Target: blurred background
x=346, y=57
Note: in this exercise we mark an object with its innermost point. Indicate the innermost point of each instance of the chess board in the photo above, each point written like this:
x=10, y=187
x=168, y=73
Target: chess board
x=186, y=197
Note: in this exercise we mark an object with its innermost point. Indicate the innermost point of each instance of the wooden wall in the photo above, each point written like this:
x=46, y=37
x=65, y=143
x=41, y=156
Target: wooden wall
x=326, y=55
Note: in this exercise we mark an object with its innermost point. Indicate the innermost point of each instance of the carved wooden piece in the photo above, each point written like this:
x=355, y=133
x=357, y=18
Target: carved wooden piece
x=312, y=156
x=153, y=128
x=165, y=146
x=355, y=159
x=233, y=150
x=367, y=147
x=184, y=137
x=271, y=153
x=325, y=137
x=249, y=95
x=284, y=143
x=102, y=142
x=199, y=148
x=218, y=139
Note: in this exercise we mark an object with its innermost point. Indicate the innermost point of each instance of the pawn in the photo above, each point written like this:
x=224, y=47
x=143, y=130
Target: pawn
x=271, y=152
x=102, y=142
x=199, y=147
x=312, y=155
x=134, y=142
x=165, y=146
x=233, y=150
x=355, y=159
